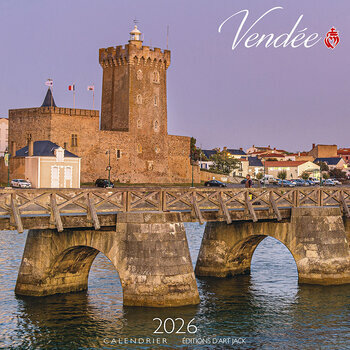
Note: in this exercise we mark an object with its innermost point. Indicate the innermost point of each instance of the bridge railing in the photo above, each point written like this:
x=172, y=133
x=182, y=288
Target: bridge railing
x=17, y=203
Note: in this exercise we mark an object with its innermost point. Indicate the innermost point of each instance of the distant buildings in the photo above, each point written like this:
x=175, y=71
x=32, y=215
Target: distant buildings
x=332, y=162
x=345, y=154
x=323, y=151
x=4, y=126
x=294, y=169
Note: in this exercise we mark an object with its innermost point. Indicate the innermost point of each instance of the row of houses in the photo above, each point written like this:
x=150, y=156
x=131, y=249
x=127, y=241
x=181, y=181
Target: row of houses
x=271, y=161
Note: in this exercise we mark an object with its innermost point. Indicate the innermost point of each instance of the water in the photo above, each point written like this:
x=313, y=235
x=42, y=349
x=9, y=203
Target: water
x=267, y=310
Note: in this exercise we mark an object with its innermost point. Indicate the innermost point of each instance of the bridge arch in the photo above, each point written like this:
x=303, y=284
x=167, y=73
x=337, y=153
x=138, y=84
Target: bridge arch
x=152, y=260
x=60, y=262
x=73, y=265
x=314, y=236
x=227, y=250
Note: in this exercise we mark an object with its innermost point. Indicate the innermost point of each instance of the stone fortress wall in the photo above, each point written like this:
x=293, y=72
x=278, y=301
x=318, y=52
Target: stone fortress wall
x=133, y=123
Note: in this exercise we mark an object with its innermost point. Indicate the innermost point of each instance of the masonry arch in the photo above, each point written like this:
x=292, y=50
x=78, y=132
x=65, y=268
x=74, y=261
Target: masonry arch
x=72, y=266
x=240, y=256
x=227, y=250
x=61, y=262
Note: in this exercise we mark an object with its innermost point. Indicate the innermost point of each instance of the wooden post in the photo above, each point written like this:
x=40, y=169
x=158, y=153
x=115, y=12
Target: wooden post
x=126, y=199
x=92, y=213
x=274, y=207
x=196, y=209
x=250, y=207
x=296, y=198
x=164, y=204
x=321, y=197
x=345, y=206
x=56, y=213
x=16, y=214
x=224, y=209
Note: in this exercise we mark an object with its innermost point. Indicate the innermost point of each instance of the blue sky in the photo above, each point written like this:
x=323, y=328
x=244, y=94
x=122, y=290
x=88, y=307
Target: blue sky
x=288, y=98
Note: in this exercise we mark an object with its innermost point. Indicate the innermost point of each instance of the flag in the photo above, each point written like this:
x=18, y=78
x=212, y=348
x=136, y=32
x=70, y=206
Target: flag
x=91, y=88
x=49, y=82
x=71, y=87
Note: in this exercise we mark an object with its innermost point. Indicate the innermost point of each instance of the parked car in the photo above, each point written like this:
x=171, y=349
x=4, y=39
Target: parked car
x=214, y=183
x=311, y=183
x=286, y=183
x=300, y=182
x=268, y=179
x=314, y=180
x=336, y=182
x=328, y=182
x=20, y=183
x=104, y=183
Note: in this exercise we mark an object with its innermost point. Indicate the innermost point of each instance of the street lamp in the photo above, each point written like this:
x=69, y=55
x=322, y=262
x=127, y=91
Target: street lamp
x=7, y=163
x=109, y=167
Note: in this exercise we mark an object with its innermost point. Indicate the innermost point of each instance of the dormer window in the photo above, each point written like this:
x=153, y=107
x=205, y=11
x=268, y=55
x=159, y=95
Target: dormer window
x=59, y=154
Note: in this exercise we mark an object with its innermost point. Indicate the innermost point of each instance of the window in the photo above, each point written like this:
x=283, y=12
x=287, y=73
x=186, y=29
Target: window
x=139, y=99
x=118, y=153
x=74, y=142
x=59, y=154
x=139, y=123
x=139, y=148
x=155, y=77
x=65, y=145
x=155, y=100
x=139, y=74
x=156, y=125
x=157, y=149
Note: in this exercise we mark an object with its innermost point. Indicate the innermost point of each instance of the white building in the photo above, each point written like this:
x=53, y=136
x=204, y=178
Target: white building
x=4, y=134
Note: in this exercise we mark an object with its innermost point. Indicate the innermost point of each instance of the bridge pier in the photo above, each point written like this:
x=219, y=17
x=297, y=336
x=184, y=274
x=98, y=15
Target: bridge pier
x=149, y=251
x=316, y=238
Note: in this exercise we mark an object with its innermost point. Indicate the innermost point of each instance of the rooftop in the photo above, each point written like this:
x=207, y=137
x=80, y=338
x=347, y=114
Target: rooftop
x=329, y=161
x=43, y=149
x=284, y=164
x=49, y=100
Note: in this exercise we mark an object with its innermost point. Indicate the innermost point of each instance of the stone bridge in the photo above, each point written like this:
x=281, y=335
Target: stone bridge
x=141, y=231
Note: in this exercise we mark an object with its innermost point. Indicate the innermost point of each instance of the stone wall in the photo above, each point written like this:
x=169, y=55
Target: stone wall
x=150, y=253
x=315, y=237
x=324, y=151
x=133, y=123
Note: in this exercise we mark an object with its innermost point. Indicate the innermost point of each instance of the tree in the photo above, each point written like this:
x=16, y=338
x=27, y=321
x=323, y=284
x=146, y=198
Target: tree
x=282, y=175
x=305, y=175
x=259, y=176
x=325, y=176
x=223, y=164
x=196, y=153
x=323, y=166
x=337, y=173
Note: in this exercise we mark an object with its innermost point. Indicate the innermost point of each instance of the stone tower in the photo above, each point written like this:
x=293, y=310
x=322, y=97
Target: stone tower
x=134, y=94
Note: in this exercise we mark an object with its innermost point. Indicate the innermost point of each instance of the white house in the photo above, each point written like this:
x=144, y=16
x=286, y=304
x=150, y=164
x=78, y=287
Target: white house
x=48, y=165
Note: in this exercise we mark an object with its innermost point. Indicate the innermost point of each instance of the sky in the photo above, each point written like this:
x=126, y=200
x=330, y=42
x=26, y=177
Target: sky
x=287, y=97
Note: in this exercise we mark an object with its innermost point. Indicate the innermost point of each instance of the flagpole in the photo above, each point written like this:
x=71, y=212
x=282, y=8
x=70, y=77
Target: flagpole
x=93, y=97
x=74, y=95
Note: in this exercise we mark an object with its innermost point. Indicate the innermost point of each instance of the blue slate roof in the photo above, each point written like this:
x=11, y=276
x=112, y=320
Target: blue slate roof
x=255, y=161
x=328, y=161
x=49, y=100
x=43, y=149
x=238, y=152
x=208, y=153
